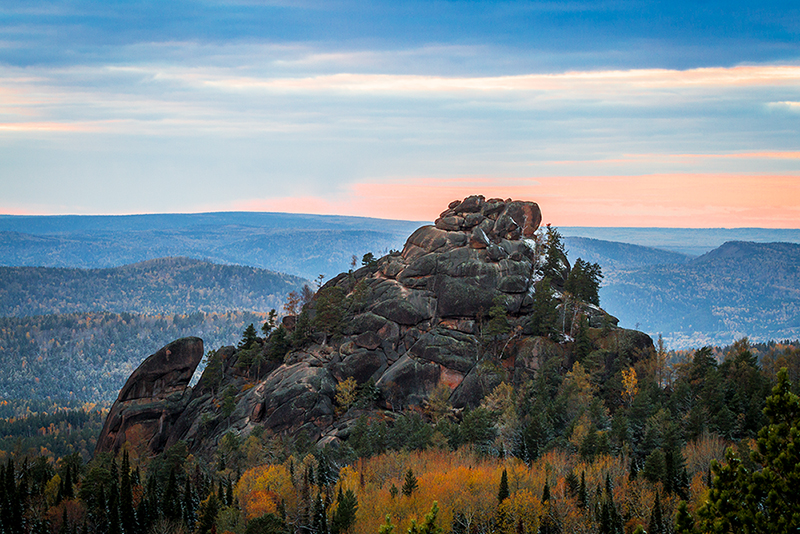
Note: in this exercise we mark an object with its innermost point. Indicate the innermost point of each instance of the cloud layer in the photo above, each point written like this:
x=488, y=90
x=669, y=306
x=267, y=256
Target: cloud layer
x=257, y=113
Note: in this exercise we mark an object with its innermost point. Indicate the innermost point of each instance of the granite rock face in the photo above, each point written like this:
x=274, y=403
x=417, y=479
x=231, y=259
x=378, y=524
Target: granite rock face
x=154, y=396
x=412, y=321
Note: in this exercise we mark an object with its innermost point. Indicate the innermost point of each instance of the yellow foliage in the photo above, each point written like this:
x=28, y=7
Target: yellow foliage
x=630, y=385
x=346, y=392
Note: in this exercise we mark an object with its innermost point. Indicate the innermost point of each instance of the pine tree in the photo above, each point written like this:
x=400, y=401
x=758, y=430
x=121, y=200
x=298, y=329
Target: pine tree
x=387, y=527
x=684, y=522
x=429, y=525
x=320, y=521
x=189, y=505
x=766, y=499
x=208, y=511
x=543, y=315
x=583, y=496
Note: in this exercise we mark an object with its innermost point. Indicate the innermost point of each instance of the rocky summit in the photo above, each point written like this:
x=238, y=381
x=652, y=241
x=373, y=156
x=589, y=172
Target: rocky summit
x=475, y=300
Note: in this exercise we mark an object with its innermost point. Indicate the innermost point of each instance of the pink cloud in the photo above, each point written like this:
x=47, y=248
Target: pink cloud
x=665, y=200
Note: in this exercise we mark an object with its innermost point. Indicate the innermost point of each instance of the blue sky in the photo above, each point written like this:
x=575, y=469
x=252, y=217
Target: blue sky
x=606, y=113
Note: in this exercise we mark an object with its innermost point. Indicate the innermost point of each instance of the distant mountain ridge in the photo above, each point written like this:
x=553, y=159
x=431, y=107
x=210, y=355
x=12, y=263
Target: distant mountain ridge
x=302, y=245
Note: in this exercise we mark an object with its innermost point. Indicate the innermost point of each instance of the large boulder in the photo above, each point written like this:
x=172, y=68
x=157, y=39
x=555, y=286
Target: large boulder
x=152, y=399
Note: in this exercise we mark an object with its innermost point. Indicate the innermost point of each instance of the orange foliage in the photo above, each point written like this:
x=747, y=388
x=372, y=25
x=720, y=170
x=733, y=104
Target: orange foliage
x=261, y=489
x=465, y=487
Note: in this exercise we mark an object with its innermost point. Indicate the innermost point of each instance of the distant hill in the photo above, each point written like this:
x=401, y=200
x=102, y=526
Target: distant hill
x=690, y=241
x=613, y=256
x=739, y=289
x=160, y=286
x=302, y=245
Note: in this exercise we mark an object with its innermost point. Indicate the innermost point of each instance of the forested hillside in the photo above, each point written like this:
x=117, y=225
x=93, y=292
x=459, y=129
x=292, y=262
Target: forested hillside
x=739, y=289
x=612, y=255
x=88, y=356
x=160, y=286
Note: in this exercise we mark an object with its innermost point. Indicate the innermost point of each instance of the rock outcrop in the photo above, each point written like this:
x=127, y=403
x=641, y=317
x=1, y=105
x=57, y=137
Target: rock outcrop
x=407, y=323
x=154, y=396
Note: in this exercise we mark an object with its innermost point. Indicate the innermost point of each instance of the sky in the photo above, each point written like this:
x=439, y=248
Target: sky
x=606, y=113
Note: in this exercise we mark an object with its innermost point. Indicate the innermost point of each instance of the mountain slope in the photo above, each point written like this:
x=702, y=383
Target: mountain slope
x=612, y=255
x=739, y=289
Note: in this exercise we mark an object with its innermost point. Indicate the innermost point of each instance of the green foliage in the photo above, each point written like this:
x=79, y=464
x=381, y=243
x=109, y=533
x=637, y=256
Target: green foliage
x=212, y=374
x=249, y=338
x=301, y=336
x=267, y=524
x=429, y=525
x=279, y=344
x=345, y=514
x=543, y=315
x=228, y=401
x=498, y=319
x=554, y=254
x=387, y=527
x=368, y=260
x=269, y=324
x=502, y=491
x=584, y=281
x=330, y=310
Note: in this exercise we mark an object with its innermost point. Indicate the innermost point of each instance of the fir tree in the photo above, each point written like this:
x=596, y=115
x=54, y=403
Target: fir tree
x=410, y=484
x=656, y=525
x=249, y=338
x=345, y=515
x=503, y=492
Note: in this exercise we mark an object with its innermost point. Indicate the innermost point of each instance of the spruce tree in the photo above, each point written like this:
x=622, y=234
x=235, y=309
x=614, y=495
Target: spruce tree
x=410, y=484
x=126, y=513
x=249, y=338
x=656, y=525
x=345, y=515
x=503, y=492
